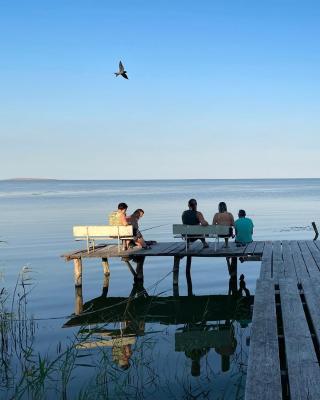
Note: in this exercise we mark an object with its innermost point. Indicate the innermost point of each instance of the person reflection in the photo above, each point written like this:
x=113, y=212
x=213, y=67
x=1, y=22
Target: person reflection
x=130, y=328
x=121, y=354
x=195, y=355
x=227, y=346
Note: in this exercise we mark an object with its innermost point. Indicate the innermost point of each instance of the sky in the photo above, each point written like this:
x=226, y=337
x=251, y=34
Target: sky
x=216, y=89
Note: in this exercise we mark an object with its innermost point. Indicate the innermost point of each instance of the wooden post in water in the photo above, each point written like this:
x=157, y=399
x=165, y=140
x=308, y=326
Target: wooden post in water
x=106, y=276
x=188, y=275
x=77, y=271
x=78, y=300
x=139, y=268
x=176, y=264
x=233, y=272
x=105, y=266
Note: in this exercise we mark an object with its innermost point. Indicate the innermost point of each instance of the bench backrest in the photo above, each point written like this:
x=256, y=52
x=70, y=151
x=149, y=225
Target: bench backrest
x=181, y=229
x=102, y=231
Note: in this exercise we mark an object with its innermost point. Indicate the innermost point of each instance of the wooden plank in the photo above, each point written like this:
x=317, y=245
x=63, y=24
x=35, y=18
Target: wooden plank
x=263, y=372
x=312, y=296
x=288, y=265
x=277, y=250
x=298, y=261
x=259, y=248
x=302, y=363
x=309, y=260
x=250, y=248
x=266, y=262
x=314, y=251
x=317, y=244
x=277, y=261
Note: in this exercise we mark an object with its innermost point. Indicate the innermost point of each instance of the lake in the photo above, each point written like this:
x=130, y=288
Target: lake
x=157, y=347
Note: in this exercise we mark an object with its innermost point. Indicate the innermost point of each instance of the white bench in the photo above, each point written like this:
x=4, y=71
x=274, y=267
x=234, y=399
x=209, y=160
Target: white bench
x=104, y=232
x=199, y=231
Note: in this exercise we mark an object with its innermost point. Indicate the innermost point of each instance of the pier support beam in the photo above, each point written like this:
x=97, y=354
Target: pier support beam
x=77, y=271
x=233, y=272
x=105, y=266
x=78, y=300
x=176, y=264
x=106, y=277
x=131, y=269
x=188, y=275
x=139, y=268
x=175, y=270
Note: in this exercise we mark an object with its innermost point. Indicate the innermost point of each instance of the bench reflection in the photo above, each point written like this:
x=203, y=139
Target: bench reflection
x=204, y=322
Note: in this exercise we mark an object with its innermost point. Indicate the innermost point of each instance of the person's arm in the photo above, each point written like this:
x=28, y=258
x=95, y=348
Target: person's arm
x=232, y=219
x=201, y=219
x=215, y=220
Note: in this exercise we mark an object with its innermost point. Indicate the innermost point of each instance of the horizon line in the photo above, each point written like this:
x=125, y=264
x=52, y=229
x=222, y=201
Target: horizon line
x=150, y=179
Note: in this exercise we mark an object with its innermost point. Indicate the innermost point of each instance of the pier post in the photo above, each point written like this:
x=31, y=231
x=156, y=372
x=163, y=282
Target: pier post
x=78, y=300
x=106, y=276
x=105, y=266
x=188, y=275
x=175, y=270
x=176, y=264
x=139, y=268
x=77, y=271
x=233, y=272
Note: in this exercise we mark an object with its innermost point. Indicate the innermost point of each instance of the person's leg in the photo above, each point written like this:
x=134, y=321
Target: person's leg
x=226, y=240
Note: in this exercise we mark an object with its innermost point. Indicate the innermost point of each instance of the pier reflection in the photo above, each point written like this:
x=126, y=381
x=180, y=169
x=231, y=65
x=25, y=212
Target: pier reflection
x=202, y=322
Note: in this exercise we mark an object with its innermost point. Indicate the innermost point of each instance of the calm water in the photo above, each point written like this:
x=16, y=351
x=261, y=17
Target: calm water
x=36, y=222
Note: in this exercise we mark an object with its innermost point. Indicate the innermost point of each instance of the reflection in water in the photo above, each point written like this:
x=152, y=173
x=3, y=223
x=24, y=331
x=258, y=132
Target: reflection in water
x=203, y=323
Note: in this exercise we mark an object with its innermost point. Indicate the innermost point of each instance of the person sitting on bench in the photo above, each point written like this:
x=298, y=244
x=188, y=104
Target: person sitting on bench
x=194, y=217
x=119, y=218
x=223, y=217
x=134, y=221
x=244, y=229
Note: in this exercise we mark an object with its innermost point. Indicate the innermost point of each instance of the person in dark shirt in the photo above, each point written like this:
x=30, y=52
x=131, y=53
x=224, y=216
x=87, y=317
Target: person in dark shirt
x=194, y=217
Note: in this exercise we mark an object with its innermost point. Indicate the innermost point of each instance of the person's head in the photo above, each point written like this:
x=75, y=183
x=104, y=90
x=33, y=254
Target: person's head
x=192, y=203
x=222, y=207
x=122, y=207
x=138, y=213
x=241, y=214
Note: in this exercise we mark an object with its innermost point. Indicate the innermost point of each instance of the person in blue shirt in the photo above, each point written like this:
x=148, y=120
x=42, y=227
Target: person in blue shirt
x=244, y=228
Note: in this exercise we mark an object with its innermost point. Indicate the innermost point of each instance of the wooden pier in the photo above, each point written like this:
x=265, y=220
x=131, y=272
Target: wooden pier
x=285, y=335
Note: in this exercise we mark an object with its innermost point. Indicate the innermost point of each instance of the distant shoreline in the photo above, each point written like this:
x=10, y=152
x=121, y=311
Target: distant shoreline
x=150, y=180
x=28, y=179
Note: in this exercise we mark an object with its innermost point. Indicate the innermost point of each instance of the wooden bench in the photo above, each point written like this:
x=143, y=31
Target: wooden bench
x=199, y=231
x=104, y=232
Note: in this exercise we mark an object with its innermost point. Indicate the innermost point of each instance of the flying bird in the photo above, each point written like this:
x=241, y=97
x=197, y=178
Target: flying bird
x=121, y=72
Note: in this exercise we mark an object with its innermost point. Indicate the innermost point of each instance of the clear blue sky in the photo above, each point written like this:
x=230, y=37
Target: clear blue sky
x=216, y=89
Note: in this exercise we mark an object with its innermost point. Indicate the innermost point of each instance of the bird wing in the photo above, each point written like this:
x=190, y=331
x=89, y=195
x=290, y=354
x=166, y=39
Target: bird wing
x=121, y=67
x=124, y=75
